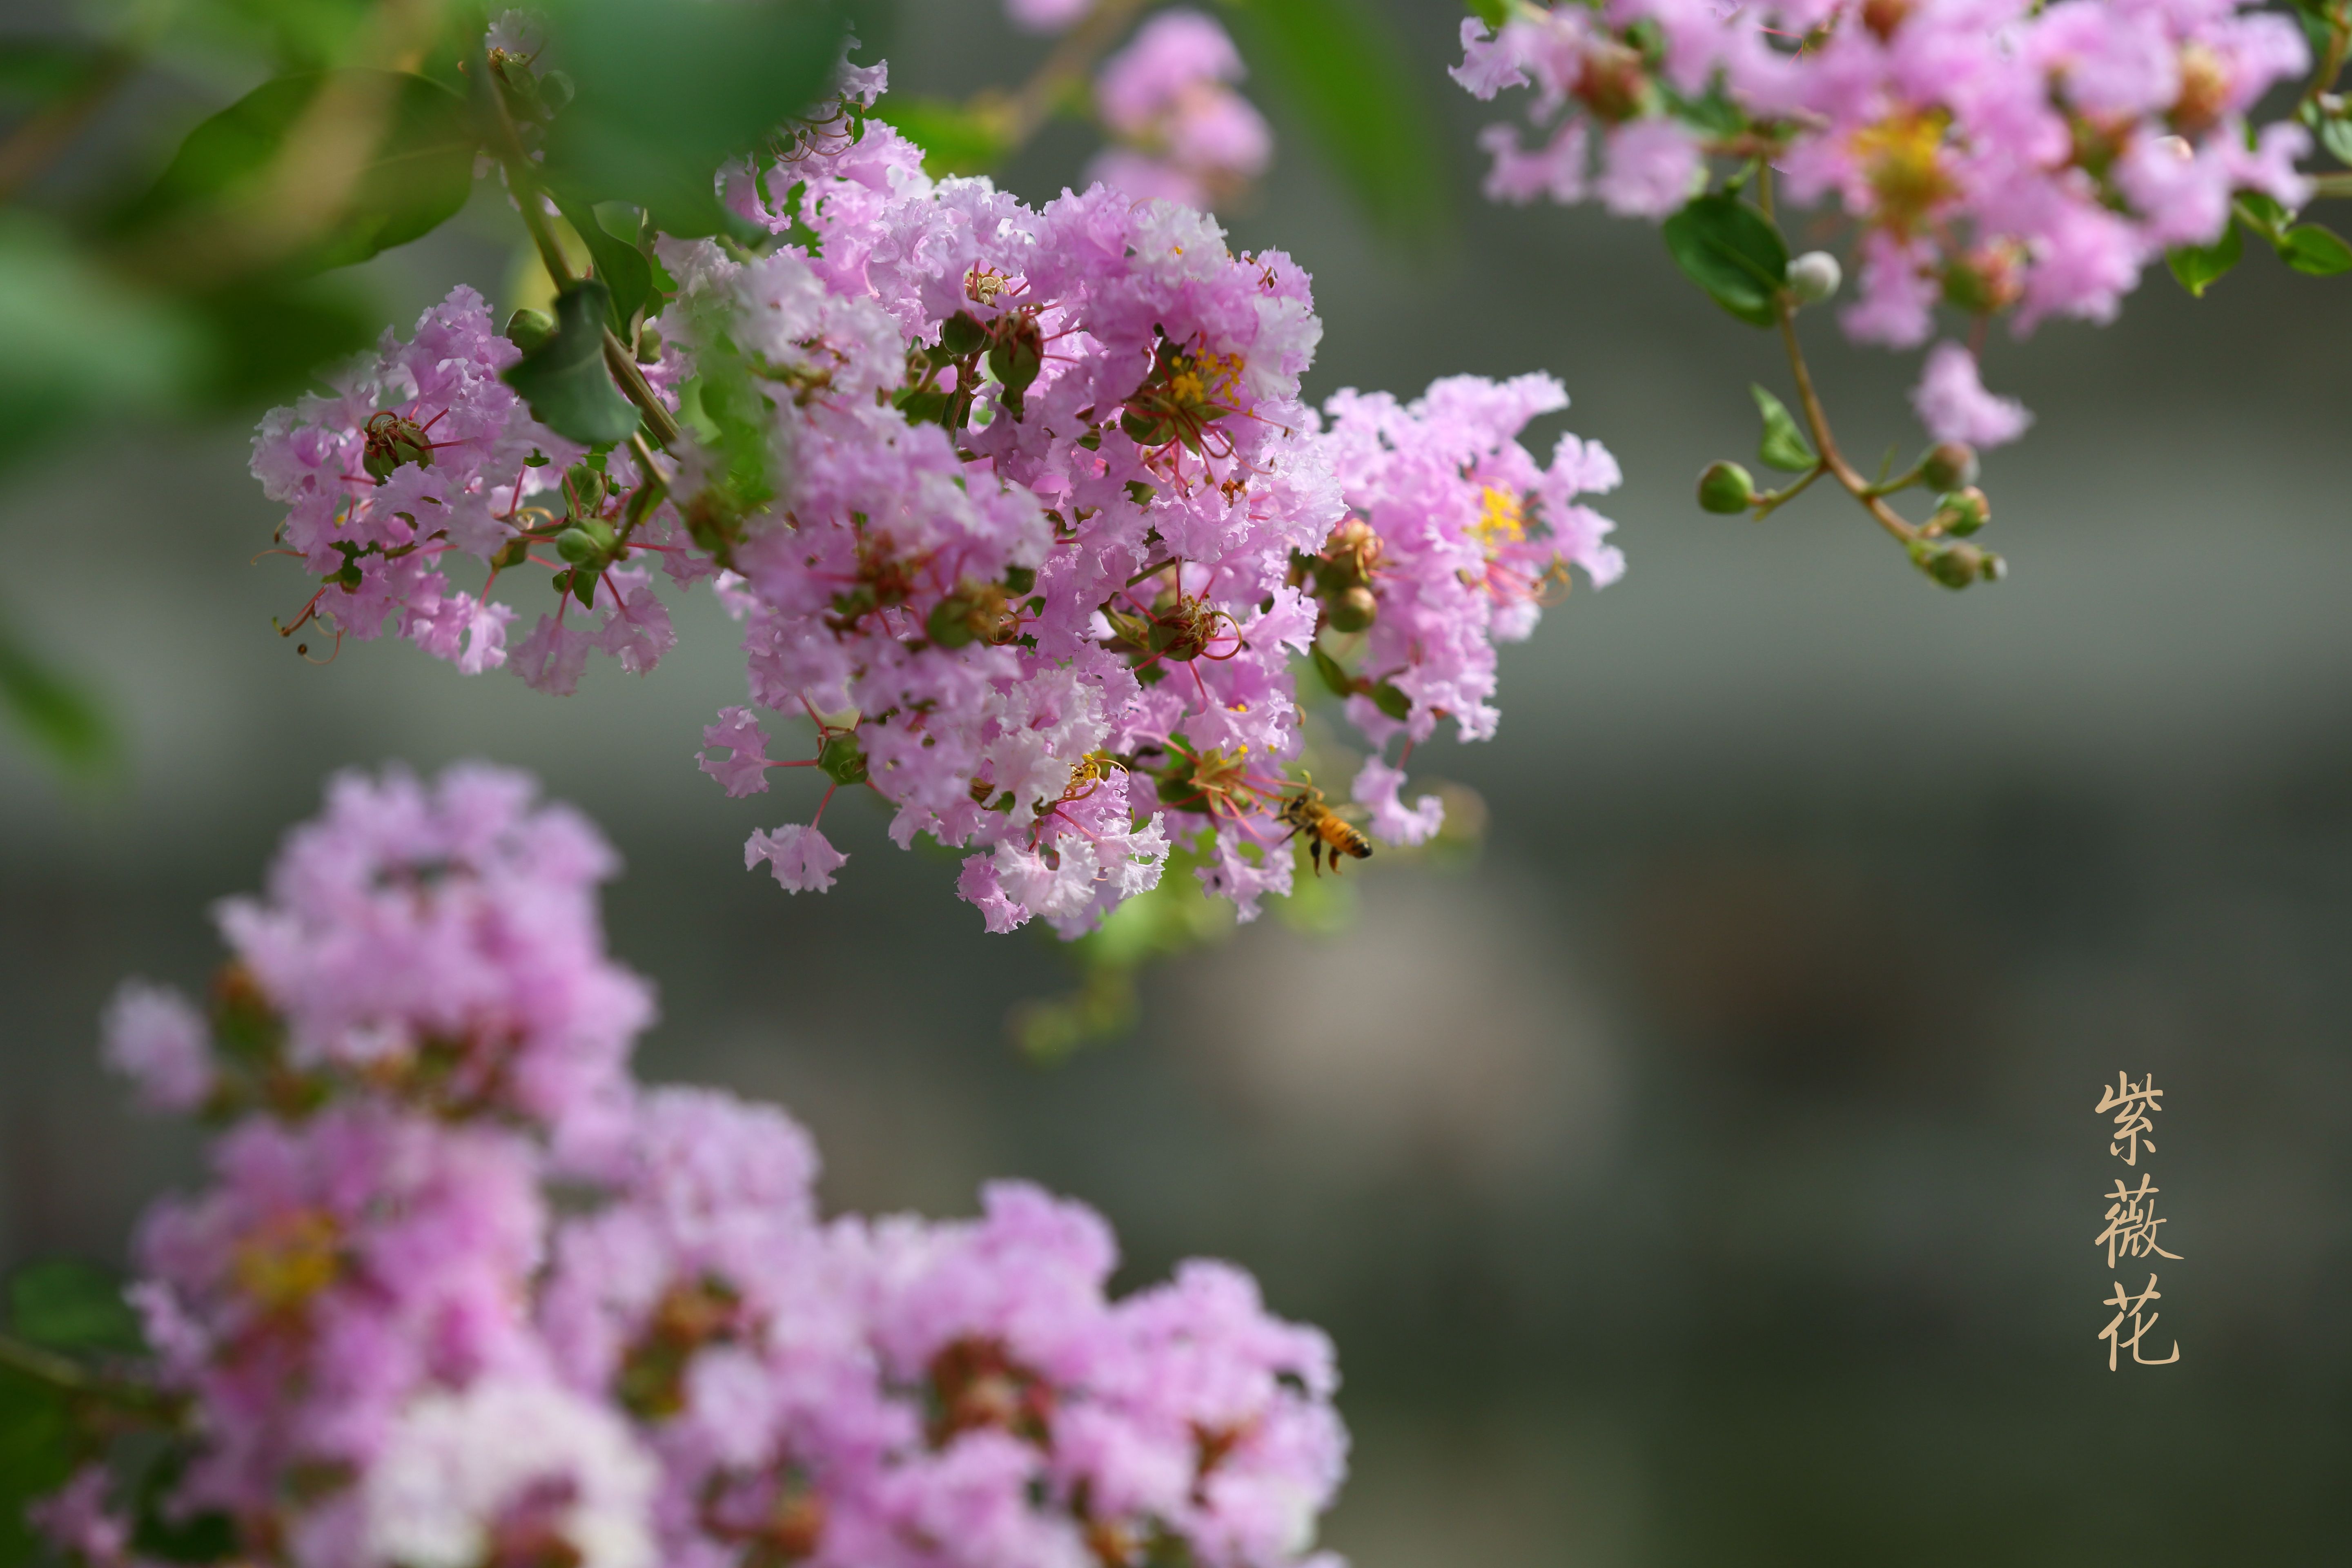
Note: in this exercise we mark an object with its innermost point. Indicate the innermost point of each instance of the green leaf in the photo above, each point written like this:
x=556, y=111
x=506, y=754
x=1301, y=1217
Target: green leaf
x=37, y=71
x=665, y=93
x=82, y=343
x=1783, y=446
x=1339, y=681
x=569, y=390
x=955, y=140
x=36, y=1455
x=68, y=1306
x=53, y=712
x=2264, y=215
x=1493, y=13
x=621, y=268
x=2336, y=135
x=1733, y=251
x=2321, y=252
x=2199, y=266
x=418, y=172
x=1339, y=67
x=1391, y=701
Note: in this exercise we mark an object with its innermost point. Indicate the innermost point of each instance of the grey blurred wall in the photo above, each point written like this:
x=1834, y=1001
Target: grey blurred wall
x=1706, y=1178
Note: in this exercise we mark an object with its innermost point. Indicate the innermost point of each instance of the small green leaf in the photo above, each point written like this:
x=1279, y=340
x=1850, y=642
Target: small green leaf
x=2320, y=252
x=2264, y=215
x=36, y=1455
x=620, y=268
x=68, y=1306
x=1733, y=251
x=419, y=172
x=1338, y=67
x=569, y=390
x=2199, y=266
x=667, y=93
x=52, y=710
x=955, y=140
x=1493, y=13
x=1391, y=701
x=2336, y=135
x=1783, y=446
x=1340, y=682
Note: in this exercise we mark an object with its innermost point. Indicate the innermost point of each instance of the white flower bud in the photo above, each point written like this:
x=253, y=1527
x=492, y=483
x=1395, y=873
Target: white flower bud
x=1815, y=276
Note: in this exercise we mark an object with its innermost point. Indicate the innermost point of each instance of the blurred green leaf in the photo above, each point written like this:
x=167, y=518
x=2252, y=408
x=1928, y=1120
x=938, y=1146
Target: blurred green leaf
x=68, y=1306
x=2199, y=266
x=47, y=708
x=1783, y=446
x=271, y=333
x=2321, y=252
x=569, y=390
x=1493, y=13
x=2263, y=215
x=665, y=93
x=1340, y=69
x=298, y=35
x=2336, y=135
x=35, y=1455
x=82, y=344
x=35, y=71
x=418, y=172
x=621, y=268
x=1733, y=251
x=955, y=140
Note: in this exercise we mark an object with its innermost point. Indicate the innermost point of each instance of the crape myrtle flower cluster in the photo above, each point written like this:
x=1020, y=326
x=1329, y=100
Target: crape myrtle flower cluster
x=456, y=1293
x=1999, y=157
x=1178, y=130
x=1020, y=509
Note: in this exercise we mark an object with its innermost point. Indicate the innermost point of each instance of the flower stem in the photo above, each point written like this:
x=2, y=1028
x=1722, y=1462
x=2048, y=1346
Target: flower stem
x=1833, y=461
x=1020, y=115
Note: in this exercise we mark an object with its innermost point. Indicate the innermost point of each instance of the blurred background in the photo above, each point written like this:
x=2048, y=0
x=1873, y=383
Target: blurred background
x=1708, y=1175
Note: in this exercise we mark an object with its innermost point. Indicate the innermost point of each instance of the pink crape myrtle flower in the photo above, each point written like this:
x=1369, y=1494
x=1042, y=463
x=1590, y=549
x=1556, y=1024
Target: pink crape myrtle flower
x=403, y=1328
x=1183, y=133
x=1953, y=405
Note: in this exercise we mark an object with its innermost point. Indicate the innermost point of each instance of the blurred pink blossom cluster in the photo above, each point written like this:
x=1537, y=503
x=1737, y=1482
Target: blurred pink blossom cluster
x=1998, y=157
x=457, y=1293
x=1178, y=130
x=1042, y=533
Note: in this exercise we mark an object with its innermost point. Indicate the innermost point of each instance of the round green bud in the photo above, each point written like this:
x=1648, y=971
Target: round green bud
x=1353, y=609
x=949, y=624
x=1815, y=276
x=578, y=546
x=649, y=344
x=1962, y=512
x=1726, y=489
x=1949, y=465
x=527, y=329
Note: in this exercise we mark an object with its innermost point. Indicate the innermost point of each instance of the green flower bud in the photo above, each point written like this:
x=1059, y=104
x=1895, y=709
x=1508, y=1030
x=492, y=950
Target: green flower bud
x=527, y=329
x=841, y=761
x=1354, y=609
x=1962, y=512
x=1949, y=465
x=649, y=344
x=578, y=546
x=1815, y=276
x=1957, y=565
x=949, y=625
x=1726, y=489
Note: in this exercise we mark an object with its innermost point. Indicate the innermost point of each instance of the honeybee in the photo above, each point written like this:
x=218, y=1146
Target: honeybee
x=1323, y=827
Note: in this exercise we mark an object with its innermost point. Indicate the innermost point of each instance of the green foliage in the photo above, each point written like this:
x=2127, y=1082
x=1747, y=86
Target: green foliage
x=418, y=172
x=35, y=1455
x=955, y=140
x=37, y=71
x=621, y=267
x=665, y=93
x=1338, y=69
x=1732, y=251
x=2321, y=252
x=565, y=378
x=1783, y=446
x=67, y=1306
x=2199, y=266
x=63, y=720
x=1493, y=13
